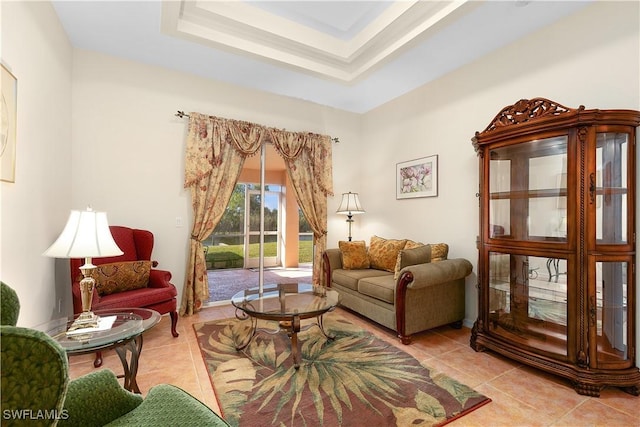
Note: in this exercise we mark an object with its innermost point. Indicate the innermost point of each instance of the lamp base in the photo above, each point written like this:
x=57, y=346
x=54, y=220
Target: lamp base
x=86, y=319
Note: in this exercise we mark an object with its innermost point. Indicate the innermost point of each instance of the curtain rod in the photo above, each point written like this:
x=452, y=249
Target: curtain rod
x=182, y=114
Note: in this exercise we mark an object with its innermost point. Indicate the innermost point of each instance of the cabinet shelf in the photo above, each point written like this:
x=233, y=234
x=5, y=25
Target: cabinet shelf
x=528, y=194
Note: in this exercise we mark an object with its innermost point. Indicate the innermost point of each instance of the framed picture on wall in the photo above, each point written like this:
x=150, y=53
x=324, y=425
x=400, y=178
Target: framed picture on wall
x=8, y=136
x=417, y=178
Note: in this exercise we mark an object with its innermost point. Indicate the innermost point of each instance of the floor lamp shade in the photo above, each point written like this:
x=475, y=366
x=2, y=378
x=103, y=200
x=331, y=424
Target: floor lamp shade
x=349, y=206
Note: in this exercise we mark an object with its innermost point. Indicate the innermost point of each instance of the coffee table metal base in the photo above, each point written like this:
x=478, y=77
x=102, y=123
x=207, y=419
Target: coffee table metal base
x=130, y=364
x=291, y=327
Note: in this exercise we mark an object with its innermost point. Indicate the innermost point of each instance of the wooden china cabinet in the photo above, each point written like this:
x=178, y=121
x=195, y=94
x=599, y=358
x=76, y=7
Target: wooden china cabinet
x=556, y=266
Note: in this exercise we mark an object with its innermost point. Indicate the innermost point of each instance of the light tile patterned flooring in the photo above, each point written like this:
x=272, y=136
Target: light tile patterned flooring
x=521, y=396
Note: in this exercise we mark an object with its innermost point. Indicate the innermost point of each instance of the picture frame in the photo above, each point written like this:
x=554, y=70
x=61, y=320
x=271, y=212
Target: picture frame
x=417, y=178
x=8, y=111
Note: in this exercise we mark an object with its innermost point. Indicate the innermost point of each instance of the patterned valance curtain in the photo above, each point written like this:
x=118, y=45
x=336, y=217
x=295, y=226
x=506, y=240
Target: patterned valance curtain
x=215, y=154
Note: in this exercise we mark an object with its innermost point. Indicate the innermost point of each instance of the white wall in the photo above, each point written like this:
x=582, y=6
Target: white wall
x=128, y=147
x=583, y=59
x=35, y=208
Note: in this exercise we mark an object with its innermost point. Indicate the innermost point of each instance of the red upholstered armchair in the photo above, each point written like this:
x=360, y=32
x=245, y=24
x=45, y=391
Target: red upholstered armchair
x=159, y=294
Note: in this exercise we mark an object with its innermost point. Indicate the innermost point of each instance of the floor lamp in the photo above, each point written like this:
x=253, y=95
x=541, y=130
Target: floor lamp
x=350, y=206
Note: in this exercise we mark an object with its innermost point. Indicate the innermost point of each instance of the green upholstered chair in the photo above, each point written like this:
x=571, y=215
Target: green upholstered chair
x=36, y=390
x=9, y=305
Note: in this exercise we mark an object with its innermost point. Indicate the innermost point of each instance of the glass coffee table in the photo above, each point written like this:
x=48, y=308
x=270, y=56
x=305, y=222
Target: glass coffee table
x=287, y=304
x=124, y=335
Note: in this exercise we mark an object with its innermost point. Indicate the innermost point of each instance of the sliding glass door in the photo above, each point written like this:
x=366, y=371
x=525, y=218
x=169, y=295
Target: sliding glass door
x=272, y=220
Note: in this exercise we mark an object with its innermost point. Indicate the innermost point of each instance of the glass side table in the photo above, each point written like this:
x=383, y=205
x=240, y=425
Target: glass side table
x=125, y=336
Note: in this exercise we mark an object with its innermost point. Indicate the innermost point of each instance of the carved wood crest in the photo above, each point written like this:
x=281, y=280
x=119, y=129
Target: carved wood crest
x=528, y=109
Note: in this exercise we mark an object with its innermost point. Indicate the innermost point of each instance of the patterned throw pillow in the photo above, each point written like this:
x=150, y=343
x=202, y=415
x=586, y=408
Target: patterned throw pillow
x=439, y=251
x=411, y=244
x=121, y=276
x=413, y=254
x=354, y=255
x=384, y=252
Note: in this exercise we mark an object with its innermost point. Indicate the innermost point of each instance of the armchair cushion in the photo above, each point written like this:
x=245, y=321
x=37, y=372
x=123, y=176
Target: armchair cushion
x=147, y=297
x=384, y=252
x=121, y=276
x=354, y=255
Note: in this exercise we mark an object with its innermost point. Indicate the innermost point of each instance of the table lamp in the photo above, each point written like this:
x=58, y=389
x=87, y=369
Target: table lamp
x=87, y=236
x=350, y=206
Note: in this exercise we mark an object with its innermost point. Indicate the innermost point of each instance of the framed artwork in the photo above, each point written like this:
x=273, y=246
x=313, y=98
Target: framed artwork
x=8, y=137
x=417, y=178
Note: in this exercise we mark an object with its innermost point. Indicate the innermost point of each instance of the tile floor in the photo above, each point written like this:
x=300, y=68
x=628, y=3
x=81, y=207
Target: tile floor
x=521, y=396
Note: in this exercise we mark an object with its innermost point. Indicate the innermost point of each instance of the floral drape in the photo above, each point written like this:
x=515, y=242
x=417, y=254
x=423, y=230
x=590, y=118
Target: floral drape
x=215, y=153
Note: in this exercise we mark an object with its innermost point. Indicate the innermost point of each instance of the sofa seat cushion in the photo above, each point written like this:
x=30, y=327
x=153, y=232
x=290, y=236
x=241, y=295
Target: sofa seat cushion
x=349, y=278
x=379, y=287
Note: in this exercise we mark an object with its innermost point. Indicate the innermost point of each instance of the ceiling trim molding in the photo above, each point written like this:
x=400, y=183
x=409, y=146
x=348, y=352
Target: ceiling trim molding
x=239, y=27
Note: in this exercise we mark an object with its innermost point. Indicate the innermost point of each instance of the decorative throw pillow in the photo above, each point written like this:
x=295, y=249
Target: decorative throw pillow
x=420, y=254
x=439, y=251
x=354, y=255
x=383, y=253
x=121, y=276
x=411, y=244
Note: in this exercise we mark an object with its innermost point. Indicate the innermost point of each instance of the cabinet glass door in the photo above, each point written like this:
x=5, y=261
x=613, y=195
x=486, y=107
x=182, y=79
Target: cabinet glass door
x=528, y=300
x=528, y=191
x=609, y=188
x=609, y=311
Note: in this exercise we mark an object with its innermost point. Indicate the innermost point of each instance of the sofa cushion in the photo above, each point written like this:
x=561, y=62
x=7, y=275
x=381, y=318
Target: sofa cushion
x=354, y=255
x=349, y=278
x=378, y=287
x=121, y=276
x=439, y=251
x=412, y=256
x=383, y=253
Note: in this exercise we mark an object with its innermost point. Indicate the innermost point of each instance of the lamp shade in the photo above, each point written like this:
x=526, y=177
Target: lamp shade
x=86, y=235
x=350, y=204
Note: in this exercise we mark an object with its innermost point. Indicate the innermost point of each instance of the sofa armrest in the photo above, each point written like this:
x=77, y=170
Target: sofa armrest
x=435, y=273
x=332, y=260
x=96, y=399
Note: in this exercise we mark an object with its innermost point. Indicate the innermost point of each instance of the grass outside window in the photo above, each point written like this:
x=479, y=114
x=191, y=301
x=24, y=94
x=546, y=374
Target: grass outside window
x=232, y=256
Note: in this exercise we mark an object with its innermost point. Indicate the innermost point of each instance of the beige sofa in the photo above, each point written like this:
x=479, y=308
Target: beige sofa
x=414, y=294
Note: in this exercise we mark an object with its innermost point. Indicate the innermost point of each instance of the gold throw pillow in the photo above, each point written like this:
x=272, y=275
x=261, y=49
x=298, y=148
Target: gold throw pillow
x=383, y=253
x=354, y=255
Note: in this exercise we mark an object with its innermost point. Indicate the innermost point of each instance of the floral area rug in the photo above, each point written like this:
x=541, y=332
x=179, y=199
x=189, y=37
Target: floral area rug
x=354, y=379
